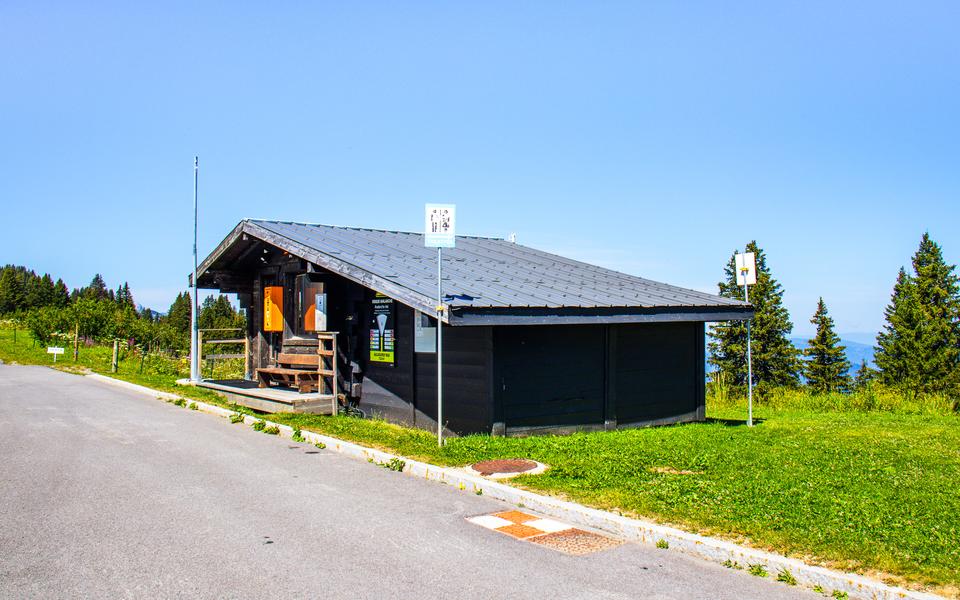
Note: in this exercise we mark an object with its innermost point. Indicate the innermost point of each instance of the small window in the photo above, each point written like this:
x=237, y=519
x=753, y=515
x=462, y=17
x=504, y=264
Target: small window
x=425, y=334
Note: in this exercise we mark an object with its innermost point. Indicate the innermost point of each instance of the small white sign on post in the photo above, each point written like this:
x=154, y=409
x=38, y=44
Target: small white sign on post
x=440, y=226
x=54, y=351
x=746, y=276
x=746, y=268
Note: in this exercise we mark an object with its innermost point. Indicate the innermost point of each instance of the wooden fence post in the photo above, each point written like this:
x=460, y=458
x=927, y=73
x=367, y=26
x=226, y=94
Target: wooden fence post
x=76, y=341
x=116, y=352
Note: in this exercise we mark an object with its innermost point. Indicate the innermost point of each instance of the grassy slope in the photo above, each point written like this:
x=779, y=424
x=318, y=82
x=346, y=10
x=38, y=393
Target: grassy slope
x=872, y=492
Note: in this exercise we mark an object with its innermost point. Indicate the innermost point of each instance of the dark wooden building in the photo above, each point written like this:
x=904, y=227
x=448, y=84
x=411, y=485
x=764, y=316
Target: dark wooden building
x=531, y=341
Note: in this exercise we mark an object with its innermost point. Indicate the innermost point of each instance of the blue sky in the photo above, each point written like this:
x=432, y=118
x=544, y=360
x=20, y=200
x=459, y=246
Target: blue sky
x=653, y=138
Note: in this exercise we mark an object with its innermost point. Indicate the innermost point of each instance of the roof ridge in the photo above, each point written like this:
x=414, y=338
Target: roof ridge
x=356, y=228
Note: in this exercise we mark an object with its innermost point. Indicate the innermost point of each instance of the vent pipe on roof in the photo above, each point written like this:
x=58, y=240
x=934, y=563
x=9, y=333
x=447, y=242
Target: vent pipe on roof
x=512, y=238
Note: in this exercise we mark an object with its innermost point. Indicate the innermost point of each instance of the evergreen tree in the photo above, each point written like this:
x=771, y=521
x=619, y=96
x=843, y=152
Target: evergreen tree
x=97, y=290
x=123, y=296
x=896, y=344
x=12, y=294
x=919, y=347
x=179, y=314
x=218, y=313
x=826, y=364
x=864, y=376
x=61, y=296
x=776, y=361
x=39, y=290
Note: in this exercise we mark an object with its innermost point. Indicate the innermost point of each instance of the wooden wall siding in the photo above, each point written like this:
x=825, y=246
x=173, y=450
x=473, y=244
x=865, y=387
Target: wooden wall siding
x=467, y=368
x=550, y=375
x=659, y=370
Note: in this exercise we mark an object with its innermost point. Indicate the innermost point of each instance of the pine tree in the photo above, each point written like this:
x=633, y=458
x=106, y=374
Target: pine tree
x=776, y=361
x=896, y=344
x=919, y=347
x=39, y=290
x=61, y=296
x=864, y=376
x=123, y=296
x=179, y=314
x=826, y=364
x=12, y=294
x=97, y=290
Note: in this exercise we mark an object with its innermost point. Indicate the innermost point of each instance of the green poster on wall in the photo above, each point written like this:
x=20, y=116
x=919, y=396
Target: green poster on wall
x=382, y=330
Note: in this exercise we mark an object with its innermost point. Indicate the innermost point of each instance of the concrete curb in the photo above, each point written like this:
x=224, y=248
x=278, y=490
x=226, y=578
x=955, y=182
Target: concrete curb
x=635, y=530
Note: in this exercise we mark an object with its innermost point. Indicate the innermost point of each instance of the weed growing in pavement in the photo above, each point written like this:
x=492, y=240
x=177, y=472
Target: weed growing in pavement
x=785, y=576
x=297, y=434
x=193, y=406
x=259, y=425
x=839, y=595
x=479, y=492
x=180, y=402
x=394, y=464
x=320, y=445
x=237, y=418
x=732, y=564
x=819, y=589
x=757, y=570
x=272, y=430
x=663, y=544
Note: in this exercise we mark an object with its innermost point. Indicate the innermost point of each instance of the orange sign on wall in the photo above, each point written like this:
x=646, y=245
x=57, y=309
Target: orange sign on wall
x=273, y=308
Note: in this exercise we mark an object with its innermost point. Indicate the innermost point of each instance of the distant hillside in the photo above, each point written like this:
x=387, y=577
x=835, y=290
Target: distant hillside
x=856, y=353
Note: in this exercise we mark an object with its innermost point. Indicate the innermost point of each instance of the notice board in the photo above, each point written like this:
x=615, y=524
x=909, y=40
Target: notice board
x=382, y=330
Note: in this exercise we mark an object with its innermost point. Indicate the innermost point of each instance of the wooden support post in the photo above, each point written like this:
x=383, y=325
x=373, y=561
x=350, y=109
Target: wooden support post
x=246, y=357
x=116, y=353
x=76, y=341
x=333, y=367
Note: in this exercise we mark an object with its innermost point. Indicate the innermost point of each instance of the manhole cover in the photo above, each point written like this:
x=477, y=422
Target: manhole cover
x=575, y=541
x=508, y=465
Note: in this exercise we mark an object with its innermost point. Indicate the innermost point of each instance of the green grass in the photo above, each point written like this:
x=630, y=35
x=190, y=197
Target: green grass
x=864, y=490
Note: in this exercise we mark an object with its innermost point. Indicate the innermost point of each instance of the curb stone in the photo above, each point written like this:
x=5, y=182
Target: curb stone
x=634, y=530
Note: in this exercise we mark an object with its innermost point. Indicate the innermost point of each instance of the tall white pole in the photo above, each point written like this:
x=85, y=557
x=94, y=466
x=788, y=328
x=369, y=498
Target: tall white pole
x=746, y=297
x=440, y=346
x=194, y=325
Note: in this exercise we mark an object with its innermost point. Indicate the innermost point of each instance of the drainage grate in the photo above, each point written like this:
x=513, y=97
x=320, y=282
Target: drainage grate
x=575, y=541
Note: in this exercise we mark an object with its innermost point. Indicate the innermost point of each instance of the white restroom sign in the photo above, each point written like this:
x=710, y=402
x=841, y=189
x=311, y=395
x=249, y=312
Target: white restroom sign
x=439, y=226
x=746, y=268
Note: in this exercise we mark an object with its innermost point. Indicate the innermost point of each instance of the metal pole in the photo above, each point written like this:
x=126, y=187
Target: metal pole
x=439, y=346
x=746, y=297
x=194, y=324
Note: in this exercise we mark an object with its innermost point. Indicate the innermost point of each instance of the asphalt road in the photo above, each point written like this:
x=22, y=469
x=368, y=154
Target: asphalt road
x=106, y=493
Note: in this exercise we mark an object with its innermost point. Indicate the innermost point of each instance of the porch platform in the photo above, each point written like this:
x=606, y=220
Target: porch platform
x=272, y=399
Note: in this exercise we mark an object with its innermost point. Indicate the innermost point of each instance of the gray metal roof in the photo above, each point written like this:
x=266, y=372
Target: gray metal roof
x=480, y=273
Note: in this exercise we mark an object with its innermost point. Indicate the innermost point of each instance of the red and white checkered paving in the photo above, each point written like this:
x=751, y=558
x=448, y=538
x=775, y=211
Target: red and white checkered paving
x=556, y=535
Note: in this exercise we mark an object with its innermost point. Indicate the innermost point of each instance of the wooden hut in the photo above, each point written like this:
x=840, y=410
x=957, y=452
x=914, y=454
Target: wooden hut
x=532, y=341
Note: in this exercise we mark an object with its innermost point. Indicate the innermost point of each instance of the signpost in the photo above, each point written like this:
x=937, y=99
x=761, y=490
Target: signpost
x=746, y=276
x=194, y=323
x=54, y=351
x=439, y=232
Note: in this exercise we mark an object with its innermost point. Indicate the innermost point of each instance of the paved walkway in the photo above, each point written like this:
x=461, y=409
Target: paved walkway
x=106, y=493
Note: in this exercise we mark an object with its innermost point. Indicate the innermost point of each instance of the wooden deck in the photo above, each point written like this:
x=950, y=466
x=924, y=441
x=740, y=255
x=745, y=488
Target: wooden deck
x=272, y=399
